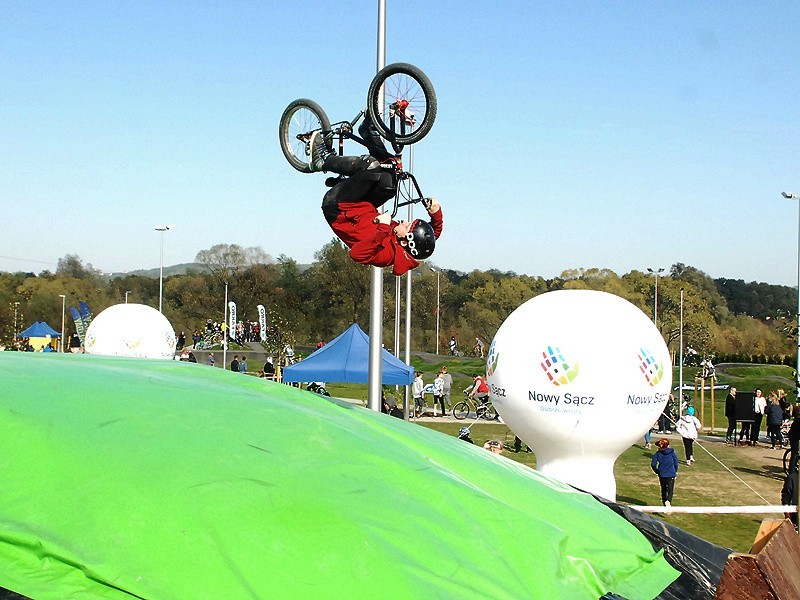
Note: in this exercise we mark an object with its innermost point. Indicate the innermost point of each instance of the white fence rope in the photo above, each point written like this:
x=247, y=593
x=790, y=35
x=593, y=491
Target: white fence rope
x=716, y=509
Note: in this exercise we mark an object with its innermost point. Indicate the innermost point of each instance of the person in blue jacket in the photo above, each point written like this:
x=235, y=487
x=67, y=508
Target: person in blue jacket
x=665, y=465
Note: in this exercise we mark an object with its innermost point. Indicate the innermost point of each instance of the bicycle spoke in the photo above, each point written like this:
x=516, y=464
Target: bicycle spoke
x=398, y=88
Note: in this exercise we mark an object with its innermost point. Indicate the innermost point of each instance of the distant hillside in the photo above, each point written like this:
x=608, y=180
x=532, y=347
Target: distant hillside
x=180, y=269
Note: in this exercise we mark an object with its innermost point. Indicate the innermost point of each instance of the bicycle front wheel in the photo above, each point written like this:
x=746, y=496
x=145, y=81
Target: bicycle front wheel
x=461, y=410
x=406, y=112
x=300, y=119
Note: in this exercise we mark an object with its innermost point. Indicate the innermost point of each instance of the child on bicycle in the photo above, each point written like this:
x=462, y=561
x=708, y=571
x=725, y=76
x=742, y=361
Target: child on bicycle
x=479, y=390
x=351, y=206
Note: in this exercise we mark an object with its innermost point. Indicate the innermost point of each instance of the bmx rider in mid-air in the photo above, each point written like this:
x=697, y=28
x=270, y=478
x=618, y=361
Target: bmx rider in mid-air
x=351, y=206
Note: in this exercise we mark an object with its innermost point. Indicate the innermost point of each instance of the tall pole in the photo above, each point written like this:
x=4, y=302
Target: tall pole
x=126, y=296
x=656, y=273
x=791, y=196
x=437, y=309
x=225, y=330
x=14, y=336
x=407, y=398
x=161, y=265
x=63, y=312
x=376, y=274
x=680, y=358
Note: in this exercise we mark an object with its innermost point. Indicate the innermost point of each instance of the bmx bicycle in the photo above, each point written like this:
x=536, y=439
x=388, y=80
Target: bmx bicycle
x=401, y=103
x=482, y=410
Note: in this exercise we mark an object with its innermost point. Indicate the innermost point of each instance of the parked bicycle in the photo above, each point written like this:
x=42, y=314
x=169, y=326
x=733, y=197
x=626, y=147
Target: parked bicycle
x=482, y=410
x=401, y=103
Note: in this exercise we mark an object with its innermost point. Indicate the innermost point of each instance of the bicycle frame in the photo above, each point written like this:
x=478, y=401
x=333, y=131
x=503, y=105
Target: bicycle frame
x=345, y=130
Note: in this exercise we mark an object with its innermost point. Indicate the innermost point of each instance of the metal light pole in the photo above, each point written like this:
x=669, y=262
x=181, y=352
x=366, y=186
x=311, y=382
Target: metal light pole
x=376, y=274
x=225, y=330
x=680, y=360
x=63, y=312
x=126, y=296
x=161, y=265
x=792, y=196
x=655, y=300
x=437, y=308
x=407, y=398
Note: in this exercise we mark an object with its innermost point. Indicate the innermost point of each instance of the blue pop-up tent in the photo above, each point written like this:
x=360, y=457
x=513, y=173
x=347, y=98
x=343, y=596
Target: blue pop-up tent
x=346, y=359
x=39, y=330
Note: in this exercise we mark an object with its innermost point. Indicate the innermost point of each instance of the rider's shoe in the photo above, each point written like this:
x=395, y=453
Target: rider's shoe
x=318, y=151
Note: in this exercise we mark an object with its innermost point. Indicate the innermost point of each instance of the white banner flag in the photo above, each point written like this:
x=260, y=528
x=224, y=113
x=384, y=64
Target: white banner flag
x=262, y=322
x=232, y=319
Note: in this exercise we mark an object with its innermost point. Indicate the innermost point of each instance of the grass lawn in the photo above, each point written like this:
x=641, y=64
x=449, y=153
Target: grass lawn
x=706, y=482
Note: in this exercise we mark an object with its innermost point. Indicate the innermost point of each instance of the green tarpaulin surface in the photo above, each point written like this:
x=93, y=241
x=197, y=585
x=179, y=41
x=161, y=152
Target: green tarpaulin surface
x=160, y=479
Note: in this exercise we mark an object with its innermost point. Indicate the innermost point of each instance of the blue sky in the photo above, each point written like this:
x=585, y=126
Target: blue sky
x=619, y=135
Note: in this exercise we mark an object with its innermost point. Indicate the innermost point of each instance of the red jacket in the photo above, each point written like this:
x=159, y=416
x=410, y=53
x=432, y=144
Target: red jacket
x=373, y=243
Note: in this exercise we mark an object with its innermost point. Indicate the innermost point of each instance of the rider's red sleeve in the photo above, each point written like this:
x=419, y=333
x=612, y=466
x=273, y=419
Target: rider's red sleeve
x=437, y=222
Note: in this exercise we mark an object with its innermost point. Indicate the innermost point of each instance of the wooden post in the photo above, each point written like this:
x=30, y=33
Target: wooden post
x=712, y=404
x=702, y=402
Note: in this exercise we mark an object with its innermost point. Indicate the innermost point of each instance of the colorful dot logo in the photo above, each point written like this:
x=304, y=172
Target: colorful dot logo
x=491, y=359
x=651, y=368
x=556, y=367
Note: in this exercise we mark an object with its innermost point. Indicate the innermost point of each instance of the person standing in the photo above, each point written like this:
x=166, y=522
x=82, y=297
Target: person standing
x=774, y=420
x=438, y=394
x=416, y=392
x=665, y=465
x=453, y=345
x=235, y=363
x=730, y=414
x=759, y=405
x=688, y=428
x=243, y=365
x=210, y=360
x=789, y=495
x=448, y=384
x=794, y=437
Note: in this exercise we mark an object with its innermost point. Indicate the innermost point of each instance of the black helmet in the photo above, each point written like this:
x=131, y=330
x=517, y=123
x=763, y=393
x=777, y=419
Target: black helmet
x=421, y=240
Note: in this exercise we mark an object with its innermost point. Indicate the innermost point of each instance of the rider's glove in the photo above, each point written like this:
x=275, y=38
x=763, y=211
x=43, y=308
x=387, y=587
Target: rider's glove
x=431, y=205
x=384, y=218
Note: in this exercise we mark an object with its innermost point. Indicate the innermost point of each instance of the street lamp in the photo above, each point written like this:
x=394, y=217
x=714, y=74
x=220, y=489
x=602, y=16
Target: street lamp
x=437, y=308
x=161, y=266
x=791, y=196
x=126, y=296
x=63, y=312
x=655, y=300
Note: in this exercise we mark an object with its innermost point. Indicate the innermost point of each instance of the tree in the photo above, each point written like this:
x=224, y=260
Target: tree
x=224, y=261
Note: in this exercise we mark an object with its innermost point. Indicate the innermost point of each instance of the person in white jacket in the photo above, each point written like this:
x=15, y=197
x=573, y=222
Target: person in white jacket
x=416, y=392
x=688, y=427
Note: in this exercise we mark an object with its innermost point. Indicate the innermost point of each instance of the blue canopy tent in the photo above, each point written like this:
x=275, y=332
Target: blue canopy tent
x=346, y=359
x=39, y=330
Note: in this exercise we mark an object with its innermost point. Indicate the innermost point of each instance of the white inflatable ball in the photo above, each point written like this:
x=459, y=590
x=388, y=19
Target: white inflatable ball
x=131, y=330
x=579, y=376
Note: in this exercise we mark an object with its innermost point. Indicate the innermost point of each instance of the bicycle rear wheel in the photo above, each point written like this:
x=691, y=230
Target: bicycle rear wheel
x=300, y=119
x=489, y=413
x=406, y=113
x=461, y=410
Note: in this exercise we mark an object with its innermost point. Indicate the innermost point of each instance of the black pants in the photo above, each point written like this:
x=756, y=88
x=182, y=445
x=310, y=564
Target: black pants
x=731, y=433
x=755, y=428
x=744, y=434
x=667, y=487
x=366, y=181
x=774, y=433
x=688, y=445
x=439, y=400
x=664, y=423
